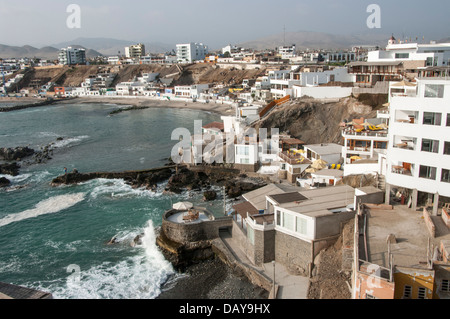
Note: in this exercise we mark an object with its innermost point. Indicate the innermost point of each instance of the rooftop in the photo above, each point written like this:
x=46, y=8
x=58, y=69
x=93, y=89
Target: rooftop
x=324, y=149
x=410, y=232
x=321, y=202
x=258, y=197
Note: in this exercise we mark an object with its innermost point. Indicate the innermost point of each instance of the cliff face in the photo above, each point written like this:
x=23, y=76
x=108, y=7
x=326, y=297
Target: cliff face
x=315, y=122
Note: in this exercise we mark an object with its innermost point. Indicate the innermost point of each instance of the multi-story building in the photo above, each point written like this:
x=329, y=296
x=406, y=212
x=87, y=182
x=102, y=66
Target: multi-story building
x=287, y=52
x=191, y=52
x=135, y=51
x=418, y=156
x=71, y=56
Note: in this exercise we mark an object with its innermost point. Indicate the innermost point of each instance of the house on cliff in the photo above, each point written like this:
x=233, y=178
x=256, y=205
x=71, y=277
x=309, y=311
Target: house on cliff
x=291, y=227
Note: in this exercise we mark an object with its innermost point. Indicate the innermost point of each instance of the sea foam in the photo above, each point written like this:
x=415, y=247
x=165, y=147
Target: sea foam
x=47, y=206
x=137, y=277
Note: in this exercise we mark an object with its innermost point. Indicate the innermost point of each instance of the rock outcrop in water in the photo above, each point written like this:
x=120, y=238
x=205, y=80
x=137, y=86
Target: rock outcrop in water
x=15, y=154
x=137, y=179
x=10, y=169
x=4, y=182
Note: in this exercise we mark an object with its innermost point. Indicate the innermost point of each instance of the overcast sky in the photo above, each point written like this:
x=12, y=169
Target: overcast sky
x=216, y=23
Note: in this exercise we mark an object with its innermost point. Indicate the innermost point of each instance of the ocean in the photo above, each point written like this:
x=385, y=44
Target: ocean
x=55, y=238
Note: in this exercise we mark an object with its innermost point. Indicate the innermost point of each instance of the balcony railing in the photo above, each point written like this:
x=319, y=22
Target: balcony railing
x=353, y=132
x=293, y=159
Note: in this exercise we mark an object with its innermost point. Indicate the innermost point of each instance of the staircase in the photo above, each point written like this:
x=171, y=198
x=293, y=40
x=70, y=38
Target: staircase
x=381, y=182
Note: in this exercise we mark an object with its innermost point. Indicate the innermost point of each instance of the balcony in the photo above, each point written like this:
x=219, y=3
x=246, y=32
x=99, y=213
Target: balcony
x=293, y=158
x=350, y=132
x=403, y=169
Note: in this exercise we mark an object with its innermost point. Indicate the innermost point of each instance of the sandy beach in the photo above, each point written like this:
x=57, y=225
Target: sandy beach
x=219, y=108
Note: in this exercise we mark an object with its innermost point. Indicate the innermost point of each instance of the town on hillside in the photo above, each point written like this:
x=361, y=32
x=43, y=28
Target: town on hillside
x=379, y=197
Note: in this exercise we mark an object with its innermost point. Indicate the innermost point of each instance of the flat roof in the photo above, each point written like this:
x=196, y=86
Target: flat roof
x=410, y=231
x=325, y=148
x=244, y=208
x=258, y=197
x=320, y=201
x=329, y=172
x=288, y=197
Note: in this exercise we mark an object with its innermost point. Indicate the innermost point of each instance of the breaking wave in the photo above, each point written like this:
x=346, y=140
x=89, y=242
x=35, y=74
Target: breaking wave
x=137, y=277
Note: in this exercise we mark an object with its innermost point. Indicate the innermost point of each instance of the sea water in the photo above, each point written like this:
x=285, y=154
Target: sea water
x=56, y=238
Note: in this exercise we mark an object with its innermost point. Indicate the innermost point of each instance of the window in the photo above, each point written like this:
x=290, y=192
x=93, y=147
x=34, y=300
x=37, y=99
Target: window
x=422, y=293
x=446, y=148
x=448, y=119
x=278, y=218
x=445, y=176
x=427, y=172
x=430, y=118
x=407, y=290
x=301, y=226
x=288, y=221
x=434, y=91
x=445, y=285
x=430, y=146
x=242, y=150
x=402, y=55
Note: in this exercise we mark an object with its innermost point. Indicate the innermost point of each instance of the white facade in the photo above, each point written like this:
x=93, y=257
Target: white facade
x=330, y=153
x=191, y=52
x=419, y=139
x=70, y=56
x=431, y=54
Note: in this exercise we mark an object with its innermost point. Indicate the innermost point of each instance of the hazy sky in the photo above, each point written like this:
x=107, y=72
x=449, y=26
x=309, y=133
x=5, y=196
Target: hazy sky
x=216, y=23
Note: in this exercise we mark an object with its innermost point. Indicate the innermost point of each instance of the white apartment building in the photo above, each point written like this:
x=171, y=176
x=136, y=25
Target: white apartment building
x=418, y=157
x=433, y=54
x=191, y=52
x=70, y=56
x=287, y=52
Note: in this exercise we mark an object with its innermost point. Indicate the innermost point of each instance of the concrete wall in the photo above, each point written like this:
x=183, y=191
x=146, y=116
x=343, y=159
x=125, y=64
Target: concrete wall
x=322, y=92
x=192, y=232
x=295, y=254
x=331, y=225
x=429, y=223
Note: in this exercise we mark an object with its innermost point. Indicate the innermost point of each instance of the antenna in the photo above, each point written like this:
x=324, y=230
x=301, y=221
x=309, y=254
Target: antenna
x=284, y=39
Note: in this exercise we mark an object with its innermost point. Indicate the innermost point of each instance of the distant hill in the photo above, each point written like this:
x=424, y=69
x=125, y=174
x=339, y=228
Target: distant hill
x=446, y=40
x=27, y=51
x=108, y=46
x=48, y=52
x=318, y=40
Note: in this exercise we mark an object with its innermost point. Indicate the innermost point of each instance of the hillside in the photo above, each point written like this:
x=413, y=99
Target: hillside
x=48, y=52
x=181, y=75
x=314, y=122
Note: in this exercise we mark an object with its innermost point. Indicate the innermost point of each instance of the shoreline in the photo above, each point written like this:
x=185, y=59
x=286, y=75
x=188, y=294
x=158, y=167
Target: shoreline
x=217, y=108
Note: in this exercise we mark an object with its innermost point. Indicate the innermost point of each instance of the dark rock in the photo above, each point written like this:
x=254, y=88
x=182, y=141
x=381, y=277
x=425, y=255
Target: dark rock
x=209, y=195
x=14, y=154
x=234, y=191
x=4, y=182
x=9, y=169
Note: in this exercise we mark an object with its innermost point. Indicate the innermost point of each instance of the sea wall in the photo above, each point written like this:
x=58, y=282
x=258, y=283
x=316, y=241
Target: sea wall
x=185, y=233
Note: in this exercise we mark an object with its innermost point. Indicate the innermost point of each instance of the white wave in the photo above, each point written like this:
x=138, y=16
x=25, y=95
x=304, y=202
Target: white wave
x=16, y=179
x=67, y=141
x=117, y=188
x=138, y=277
x=48, y=206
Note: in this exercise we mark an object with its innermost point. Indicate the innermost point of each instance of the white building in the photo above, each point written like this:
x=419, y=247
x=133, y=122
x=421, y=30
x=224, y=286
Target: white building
x=71, y=56
x=330, y=153
x=190, y=91
x=135, y=51
x=418, y=155
x=287, y=52
x=191, y=52
x=433, y=54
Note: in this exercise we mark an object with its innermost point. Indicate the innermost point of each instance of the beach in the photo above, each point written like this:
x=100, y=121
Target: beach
x=218, y=108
